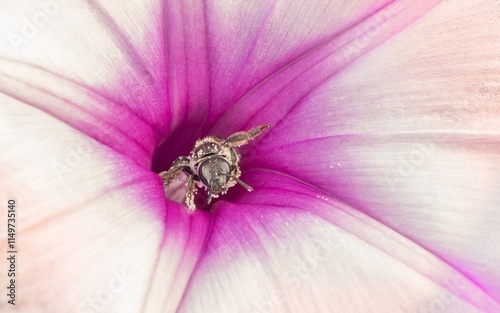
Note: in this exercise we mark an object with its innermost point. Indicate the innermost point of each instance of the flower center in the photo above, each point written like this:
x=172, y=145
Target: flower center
x=212, y=167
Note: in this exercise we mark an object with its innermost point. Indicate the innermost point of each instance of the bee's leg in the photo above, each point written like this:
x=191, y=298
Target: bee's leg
x=181, y=163
x=190, y=194
x=241, y=138
x=209, y=196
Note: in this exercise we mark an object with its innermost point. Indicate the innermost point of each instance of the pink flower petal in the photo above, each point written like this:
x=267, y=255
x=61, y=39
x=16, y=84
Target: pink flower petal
x=253, y=41
x=93, y=231
x=409, y=135
x=108, y=84
x=228, y=61
x=88, y=65
x=272, y=99
x=287, y=247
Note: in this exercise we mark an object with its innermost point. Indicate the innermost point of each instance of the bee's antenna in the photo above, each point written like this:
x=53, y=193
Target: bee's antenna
x=246, y=186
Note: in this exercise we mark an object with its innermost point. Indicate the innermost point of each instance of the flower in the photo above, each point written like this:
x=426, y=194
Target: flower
x=375, y=191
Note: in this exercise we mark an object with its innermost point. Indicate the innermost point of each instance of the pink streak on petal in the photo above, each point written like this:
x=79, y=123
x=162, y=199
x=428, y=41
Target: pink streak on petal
x=186, y=36
x=182, y=246
x=253, y=40
x=108, y=122
x=270, y=101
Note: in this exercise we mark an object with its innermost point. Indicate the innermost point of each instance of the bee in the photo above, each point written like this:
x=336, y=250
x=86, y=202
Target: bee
x=213, y=164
